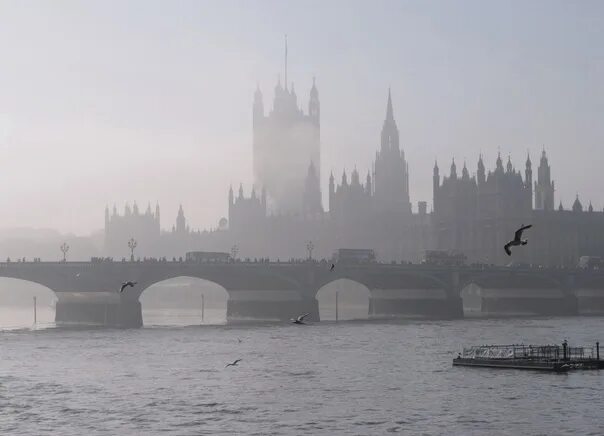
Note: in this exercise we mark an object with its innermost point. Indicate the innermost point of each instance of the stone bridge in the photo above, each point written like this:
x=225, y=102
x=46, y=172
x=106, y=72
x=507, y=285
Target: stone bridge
x=87, y=292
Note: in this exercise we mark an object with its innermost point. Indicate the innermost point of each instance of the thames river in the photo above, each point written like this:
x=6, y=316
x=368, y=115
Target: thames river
x=353, y=377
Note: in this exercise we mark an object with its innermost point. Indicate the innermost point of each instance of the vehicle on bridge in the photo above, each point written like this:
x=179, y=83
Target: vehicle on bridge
x=354, y=255
x=444, y=258
x=591, y=262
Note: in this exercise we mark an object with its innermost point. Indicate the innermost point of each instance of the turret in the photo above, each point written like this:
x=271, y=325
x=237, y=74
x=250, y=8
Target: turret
x=135, y=209
x=157, y=212
x=480, y=174
x=127, y=210
x=344, y=179
x=354, y=178
x=577, y=206
x=498, y=163
x=241, y=191
x=464, y=172
x=453, y=174
x=528, y=173
x=509, y=167
x=106, y=215
x=368, y=184
x=544, y=186
x=148, y=211
x=181, y=224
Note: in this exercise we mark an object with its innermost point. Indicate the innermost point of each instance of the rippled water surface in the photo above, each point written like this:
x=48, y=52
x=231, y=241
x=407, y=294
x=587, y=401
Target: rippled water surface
x=358, y=378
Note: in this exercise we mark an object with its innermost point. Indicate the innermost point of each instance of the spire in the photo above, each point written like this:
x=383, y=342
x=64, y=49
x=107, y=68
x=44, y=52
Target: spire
x=344, y=179
x=499, y=163
x=241, y=190
x=148, y=211
x=453, y=170
x=314, y=93
x=560, y=207
x=509, y=164
x=528, y=160
x=354, y=178
x=435, y=172
x=389, y=111
x=465, y=175
x=590, y=208
x=577, y=206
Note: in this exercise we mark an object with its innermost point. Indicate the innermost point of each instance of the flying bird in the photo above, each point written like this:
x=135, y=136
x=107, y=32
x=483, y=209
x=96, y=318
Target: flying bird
x=233, y=364
x=300, y=319
x=517, y=239
x=333, y=266
x=125, y=284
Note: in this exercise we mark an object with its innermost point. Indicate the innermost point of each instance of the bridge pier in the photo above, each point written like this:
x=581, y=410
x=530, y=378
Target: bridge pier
x=270, y=306
x=513, y=302
x=414, y=303
x=105, y=309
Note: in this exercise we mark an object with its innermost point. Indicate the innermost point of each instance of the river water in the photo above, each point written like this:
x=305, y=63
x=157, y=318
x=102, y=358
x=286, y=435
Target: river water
x=355, y=377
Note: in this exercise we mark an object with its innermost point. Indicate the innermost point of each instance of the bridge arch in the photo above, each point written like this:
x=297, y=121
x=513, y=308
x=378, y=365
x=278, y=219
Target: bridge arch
x=183, y=300
x=510, y=292
x=353, y=300
x=16, y=303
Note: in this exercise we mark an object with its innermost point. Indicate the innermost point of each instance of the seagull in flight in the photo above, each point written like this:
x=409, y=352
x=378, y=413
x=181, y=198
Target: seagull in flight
x=333, y=266
x=300, y=319
x=517, y=239
x=233, y=364
x=125, y=284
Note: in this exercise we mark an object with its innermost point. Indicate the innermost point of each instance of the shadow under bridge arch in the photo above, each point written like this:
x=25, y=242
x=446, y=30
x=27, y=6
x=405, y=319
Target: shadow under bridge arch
x=184, y=300
x=343, y=299
x=17, y=304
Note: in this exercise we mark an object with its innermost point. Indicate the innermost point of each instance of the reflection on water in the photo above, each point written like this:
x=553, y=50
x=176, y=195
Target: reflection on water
x=182, y=317
x=19, y=317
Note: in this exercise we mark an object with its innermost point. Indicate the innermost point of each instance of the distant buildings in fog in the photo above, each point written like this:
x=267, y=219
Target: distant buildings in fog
x=283, y=210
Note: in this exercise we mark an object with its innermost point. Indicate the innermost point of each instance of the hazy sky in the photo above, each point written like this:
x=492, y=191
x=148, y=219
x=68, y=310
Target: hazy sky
x=115, y=101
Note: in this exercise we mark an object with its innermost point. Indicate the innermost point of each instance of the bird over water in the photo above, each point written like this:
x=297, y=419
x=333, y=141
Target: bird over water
x=517, y=239
x=126, y=284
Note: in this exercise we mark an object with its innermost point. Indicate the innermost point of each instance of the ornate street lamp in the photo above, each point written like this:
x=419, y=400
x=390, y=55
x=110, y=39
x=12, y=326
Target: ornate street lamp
x=64, y=249
x=310, y=247
x=132, y=245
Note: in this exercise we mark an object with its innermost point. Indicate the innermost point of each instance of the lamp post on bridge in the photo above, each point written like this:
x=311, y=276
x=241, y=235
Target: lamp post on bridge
x=310, y=247
x=234, y=251
x=132, y=245
x=64, y=249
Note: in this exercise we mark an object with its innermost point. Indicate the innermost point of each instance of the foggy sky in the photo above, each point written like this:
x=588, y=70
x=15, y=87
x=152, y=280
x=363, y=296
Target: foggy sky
x=114, y=101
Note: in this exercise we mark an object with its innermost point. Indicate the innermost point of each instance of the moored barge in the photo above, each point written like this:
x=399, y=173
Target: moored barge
x=554, y=358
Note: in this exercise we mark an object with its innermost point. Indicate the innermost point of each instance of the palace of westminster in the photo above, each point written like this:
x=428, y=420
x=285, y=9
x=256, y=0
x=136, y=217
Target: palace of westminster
x=283, y=210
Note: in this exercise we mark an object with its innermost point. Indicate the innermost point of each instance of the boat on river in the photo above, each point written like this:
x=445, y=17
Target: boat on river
x=553, y=358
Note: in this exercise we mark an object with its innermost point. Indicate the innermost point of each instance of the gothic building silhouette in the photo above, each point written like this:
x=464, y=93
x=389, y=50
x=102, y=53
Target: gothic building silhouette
x=475, y=214
x=287, y=150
